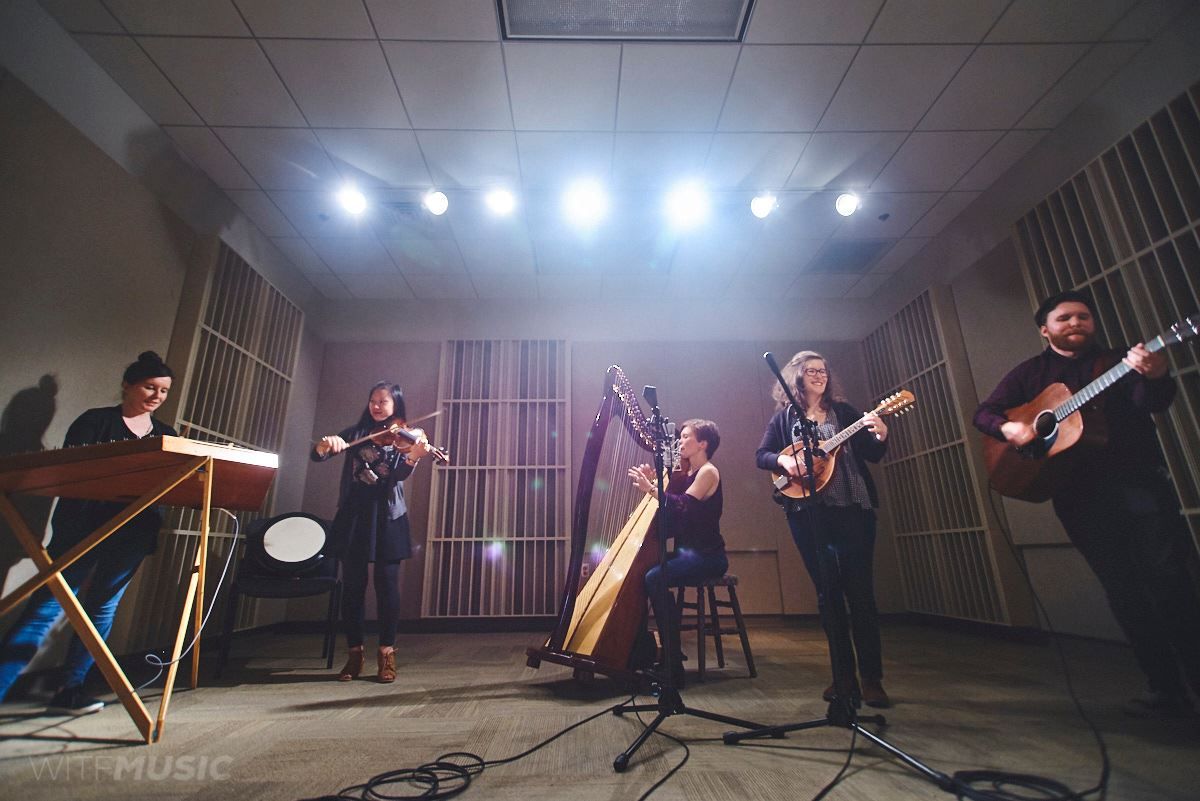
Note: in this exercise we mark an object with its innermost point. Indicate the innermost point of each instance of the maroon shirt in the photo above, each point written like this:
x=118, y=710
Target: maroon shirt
x=696, y=524
x=1127, y=404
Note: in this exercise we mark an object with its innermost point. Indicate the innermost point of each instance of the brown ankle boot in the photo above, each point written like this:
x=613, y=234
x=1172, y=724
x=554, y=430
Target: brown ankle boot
x=353, y=666
x=387, y=666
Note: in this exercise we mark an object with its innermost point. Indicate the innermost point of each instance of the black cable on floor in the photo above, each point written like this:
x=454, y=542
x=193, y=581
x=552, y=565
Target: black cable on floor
x=451, y=774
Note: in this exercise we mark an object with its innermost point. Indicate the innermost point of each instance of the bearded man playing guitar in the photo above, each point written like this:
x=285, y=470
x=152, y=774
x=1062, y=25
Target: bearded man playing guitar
x=1112, y=492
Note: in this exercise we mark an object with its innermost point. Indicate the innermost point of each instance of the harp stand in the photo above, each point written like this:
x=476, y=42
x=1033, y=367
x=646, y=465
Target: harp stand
x=670, y=702
x=842, y=709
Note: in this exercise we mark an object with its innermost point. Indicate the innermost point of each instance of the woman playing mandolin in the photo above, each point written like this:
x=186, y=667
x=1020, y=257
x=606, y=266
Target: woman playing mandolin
x=372, y=519
x=841, y=515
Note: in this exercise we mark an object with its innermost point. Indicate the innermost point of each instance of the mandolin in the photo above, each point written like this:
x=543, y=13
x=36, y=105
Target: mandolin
x=1061, y=421
x=825, y=459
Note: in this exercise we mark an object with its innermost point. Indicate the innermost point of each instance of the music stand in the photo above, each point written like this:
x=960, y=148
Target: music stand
x=670, y=702
x=841, y=711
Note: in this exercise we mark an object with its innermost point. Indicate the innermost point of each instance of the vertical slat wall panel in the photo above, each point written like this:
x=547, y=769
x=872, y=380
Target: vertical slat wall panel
x=499, y=514
x=1139, y=208
x=240, y=378
x=934, y=498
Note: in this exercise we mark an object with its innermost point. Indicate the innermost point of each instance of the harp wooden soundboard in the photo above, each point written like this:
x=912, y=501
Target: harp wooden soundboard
x=141, y=473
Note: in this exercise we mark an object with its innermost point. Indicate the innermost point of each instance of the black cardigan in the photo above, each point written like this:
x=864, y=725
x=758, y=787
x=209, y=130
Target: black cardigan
x=864, y=446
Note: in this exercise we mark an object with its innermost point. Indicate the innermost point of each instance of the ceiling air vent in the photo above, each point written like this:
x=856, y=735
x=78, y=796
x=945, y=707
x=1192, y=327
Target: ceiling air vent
x=641, y=20
x=849, y=256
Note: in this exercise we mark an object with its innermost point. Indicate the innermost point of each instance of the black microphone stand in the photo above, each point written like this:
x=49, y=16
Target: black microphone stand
x=670, y=702
x=842, y=709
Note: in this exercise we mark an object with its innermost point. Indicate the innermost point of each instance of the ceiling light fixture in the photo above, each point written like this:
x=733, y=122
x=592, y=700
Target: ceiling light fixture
x=351, y=199
x=847, y=203
x=435, y=202
x=585, y=202
x=764, y=204
x=500, y=201
x=687, y=205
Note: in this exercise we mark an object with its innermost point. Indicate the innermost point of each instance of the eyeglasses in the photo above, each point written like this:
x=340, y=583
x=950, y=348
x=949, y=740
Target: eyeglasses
x=815, y=371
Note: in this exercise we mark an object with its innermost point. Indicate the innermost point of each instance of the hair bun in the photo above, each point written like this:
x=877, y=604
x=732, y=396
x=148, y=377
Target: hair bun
x=149, y=356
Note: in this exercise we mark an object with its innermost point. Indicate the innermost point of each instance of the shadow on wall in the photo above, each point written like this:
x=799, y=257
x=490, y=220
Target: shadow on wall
x=23, y=424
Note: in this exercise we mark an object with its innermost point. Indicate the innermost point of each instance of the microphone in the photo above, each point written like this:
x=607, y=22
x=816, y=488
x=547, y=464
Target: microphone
x=650, y=394
x=671, y=451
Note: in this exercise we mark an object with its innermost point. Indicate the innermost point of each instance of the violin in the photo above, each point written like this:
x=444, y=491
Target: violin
x=403, y=437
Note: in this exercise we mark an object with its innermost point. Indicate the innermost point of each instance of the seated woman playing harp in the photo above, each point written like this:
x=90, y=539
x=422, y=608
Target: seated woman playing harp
x=693, y=519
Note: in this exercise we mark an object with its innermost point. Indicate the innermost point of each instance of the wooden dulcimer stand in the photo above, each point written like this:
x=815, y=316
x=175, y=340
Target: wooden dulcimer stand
x=157, y=470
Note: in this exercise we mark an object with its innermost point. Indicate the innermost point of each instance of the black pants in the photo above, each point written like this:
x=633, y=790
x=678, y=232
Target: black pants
x=1136, y=542
x=387, y=600
x=846, y=579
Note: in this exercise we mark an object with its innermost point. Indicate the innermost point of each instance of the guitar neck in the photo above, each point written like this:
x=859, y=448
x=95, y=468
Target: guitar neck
x=1106, y=380
x=843, y=435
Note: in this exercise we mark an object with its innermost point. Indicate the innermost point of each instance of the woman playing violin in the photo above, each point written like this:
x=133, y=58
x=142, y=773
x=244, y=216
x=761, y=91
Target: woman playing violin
x=371, y=525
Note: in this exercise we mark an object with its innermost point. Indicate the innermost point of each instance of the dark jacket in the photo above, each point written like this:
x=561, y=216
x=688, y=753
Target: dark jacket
x=863, y=445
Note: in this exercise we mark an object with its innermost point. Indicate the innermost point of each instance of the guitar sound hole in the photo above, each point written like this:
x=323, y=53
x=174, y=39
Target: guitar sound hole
x=1045, y=425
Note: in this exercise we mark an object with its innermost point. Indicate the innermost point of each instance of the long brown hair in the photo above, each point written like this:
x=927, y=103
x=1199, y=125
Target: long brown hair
x=792, y=372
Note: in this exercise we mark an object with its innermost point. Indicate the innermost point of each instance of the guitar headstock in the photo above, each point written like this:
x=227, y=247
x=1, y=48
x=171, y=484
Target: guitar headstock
x=1186, y=328
x=895, y=403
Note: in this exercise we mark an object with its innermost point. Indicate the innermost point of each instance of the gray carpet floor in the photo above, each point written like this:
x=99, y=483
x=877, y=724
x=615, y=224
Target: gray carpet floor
x=278, y=726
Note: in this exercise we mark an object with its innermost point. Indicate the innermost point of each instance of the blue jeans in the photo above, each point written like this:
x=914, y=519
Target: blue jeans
x=684, y=567
x=110, y=577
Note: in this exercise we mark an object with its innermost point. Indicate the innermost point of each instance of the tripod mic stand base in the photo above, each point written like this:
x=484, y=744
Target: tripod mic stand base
x=839, y=714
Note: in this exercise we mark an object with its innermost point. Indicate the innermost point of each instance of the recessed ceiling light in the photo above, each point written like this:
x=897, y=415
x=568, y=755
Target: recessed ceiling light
x=763, y=204
x=500, y=201
x=436, y=202
x=351, y=199
x=847, y=203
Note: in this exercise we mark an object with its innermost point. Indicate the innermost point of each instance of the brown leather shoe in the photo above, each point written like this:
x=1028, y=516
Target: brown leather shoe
x=387, y=666
x=874, y=695
x=828, y=695
x=353, y=666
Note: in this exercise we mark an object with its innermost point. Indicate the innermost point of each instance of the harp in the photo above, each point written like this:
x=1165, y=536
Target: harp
x=597, y=622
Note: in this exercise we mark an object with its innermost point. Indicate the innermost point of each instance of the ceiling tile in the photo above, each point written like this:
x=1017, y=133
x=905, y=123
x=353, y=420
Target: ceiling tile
x=330, y=286
x=783, y=88
x=352, y=255
x=1089, y=74
x=778, y=256
x=902, y=210
x=563, y=87
x=504, y=286
x=451, y=84
x=803, y=215
x=400, y=214
x=553, y=159
x=811, y=21
x=433, y=286
x=899, y=255
x=706, y=286
x=656, y=159
x=339, y=84
x=83, y=15
x=471, y=159
x=301, y=254
x=891, y=87
x=281, y=158
x=569, y=287
x=1005, y=153
x=596, y=255
x=140, y=77
x=673, y=87
x=262, y=211
x=1039, y=21
x=193, y=18
x=205, y=69
x=760, y=285
x=317, y=19
x=822, y=286
x=506, y=254
x=317, y=214
x=425, y=256
x=633, y=286
x=1148, y=19
x=373, y=157
x=913, y=21
x=934, y=160
x=209, y=153
x=844, y=160
x=377, y=286
x=998, y=84
x=709, y=251
x=943, y=213
x=753, y=161
x=469, y=217
x=868, y=285
x=462, y=20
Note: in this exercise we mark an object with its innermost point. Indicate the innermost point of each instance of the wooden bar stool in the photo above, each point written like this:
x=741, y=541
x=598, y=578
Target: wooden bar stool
x=706, y=619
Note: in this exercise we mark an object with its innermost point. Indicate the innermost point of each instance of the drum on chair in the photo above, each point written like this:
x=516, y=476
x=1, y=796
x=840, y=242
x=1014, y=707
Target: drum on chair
x=290, y=545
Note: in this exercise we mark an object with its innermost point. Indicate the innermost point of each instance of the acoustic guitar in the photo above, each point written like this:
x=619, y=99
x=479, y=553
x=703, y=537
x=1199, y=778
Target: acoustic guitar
x=1061, y=422
x=825, y=459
